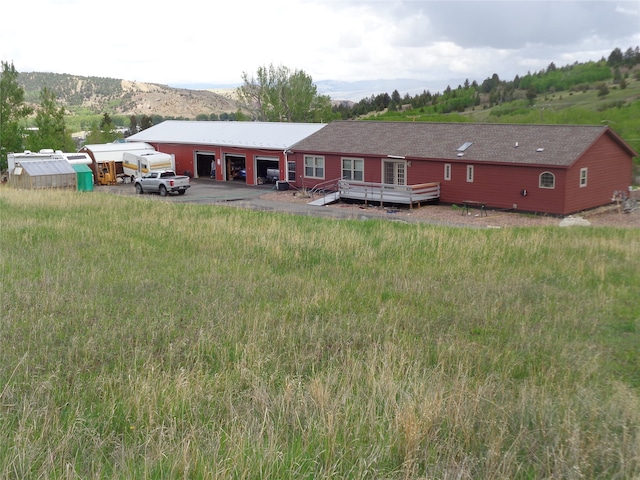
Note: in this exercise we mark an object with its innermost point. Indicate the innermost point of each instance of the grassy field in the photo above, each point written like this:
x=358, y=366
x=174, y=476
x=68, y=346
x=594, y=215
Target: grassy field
x=145, y=339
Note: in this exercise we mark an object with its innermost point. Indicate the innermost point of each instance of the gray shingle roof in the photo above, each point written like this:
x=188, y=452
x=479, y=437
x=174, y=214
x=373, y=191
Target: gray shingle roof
x=558, y=145
x=268, y=135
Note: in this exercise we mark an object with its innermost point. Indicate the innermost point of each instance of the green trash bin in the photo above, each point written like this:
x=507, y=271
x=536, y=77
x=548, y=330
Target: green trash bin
x=84, y=177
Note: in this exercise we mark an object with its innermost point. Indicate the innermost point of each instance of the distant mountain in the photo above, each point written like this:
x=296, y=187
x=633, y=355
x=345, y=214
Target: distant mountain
x=122, y=97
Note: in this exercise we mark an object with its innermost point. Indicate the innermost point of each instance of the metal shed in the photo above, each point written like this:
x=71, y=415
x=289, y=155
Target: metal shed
x=43, y=174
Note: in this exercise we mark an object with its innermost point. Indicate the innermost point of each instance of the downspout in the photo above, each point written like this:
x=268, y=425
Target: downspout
x=286, y=163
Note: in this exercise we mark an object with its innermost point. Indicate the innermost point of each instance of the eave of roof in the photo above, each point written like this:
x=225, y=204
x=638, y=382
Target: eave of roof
x=116, y=147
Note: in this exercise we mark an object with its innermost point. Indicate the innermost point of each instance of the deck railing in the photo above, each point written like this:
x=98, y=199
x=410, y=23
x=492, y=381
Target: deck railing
x=325, y=187
x=388, y=193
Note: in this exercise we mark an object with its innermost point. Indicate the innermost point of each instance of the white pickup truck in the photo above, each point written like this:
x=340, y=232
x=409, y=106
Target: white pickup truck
x=162, y=182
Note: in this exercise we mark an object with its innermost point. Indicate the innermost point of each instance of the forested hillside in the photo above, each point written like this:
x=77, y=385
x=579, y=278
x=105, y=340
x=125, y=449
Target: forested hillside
x=602, y=92
x=496, y=91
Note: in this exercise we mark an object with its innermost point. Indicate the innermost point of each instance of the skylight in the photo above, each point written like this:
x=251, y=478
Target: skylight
x=464, y=146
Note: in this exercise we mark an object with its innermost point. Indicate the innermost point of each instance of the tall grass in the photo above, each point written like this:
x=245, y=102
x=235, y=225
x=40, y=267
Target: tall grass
x=145, y=339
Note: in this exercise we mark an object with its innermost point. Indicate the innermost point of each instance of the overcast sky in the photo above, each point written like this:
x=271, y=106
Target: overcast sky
x=196, y=42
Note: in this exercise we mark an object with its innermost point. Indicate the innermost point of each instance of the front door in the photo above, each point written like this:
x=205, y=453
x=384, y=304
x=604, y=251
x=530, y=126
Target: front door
x=395, y=173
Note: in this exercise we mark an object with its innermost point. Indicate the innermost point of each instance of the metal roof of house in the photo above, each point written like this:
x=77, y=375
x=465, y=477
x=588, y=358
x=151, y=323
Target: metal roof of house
x=35, y=168
x=557, y=145
x=267, y=135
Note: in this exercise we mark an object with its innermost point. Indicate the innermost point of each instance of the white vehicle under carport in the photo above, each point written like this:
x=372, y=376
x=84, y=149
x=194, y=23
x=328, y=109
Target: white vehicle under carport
x=162, y=182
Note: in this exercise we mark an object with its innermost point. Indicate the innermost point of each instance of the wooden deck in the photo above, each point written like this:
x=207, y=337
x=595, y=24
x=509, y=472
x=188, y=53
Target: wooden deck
x=386, y=193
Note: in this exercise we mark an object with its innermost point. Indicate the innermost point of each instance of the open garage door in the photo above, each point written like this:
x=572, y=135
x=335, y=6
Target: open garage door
x=267, y=168
x=235, y=168
x=205, y=164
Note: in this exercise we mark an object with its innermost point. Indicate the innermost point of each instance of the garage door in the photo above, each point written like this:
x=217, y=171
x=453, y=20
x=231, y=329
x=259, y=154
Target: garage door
x=263, y=165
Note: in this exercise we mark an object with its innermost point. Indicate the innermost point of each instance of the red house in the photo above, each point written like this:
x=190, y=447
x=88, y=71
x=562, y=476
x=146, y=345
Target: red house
x=554, y=169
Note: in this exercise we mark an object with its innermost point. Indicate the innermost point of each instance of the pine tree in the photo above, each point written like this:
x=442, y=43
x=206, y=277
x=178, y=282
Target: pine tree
x=52, y=132
x=12, y=111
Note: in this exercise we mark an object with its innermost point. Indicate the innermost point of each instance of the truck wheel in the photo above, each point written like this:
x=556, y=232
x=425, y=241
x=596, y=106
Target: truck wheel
x=181, y=192
x=139, y=189
x=163, y=191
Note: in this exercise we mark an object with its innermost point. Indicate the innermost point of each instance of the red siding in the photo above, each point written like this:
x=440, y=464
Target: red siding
x=609, y=168
x=501, y=185
x=185, y=156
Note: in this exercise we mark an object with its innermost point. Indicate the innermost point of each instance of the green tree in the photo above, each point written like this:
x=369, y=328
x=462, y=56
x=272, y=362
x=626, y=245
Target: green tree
x=617, y=76
x=277, y=94
x=133, y=124
x=145, y=122
x=615, y=58
x=396, y=100
x=532, y=93
x=108, y=129
x=105, y=122
x=52, y=132
x=241, y=117
x=103, y=132
x=95, y=134
x=603, y=90
x=13, y=111
x=155, y=119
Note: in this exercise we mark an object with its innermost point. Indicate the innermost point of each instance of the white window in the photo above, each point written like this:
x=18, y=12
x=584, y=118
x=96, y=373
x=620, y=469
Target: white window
x=470, y=173
x=313, y=166
x=547, y=180
x=447, y=171
x=353, y=169
x=291, y=171
x=394, y=173
x=583, y=177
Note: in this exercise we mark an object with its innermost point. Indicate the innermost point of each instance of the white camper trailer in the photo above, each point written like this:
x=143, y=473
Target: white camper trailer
x=138, y=164
x=29, y=156
x=106, y=155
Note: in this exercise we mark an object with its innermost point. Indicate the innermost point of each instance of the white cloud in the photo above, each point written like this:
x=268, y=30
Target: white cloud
x=195, y=42
x=629, y=8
